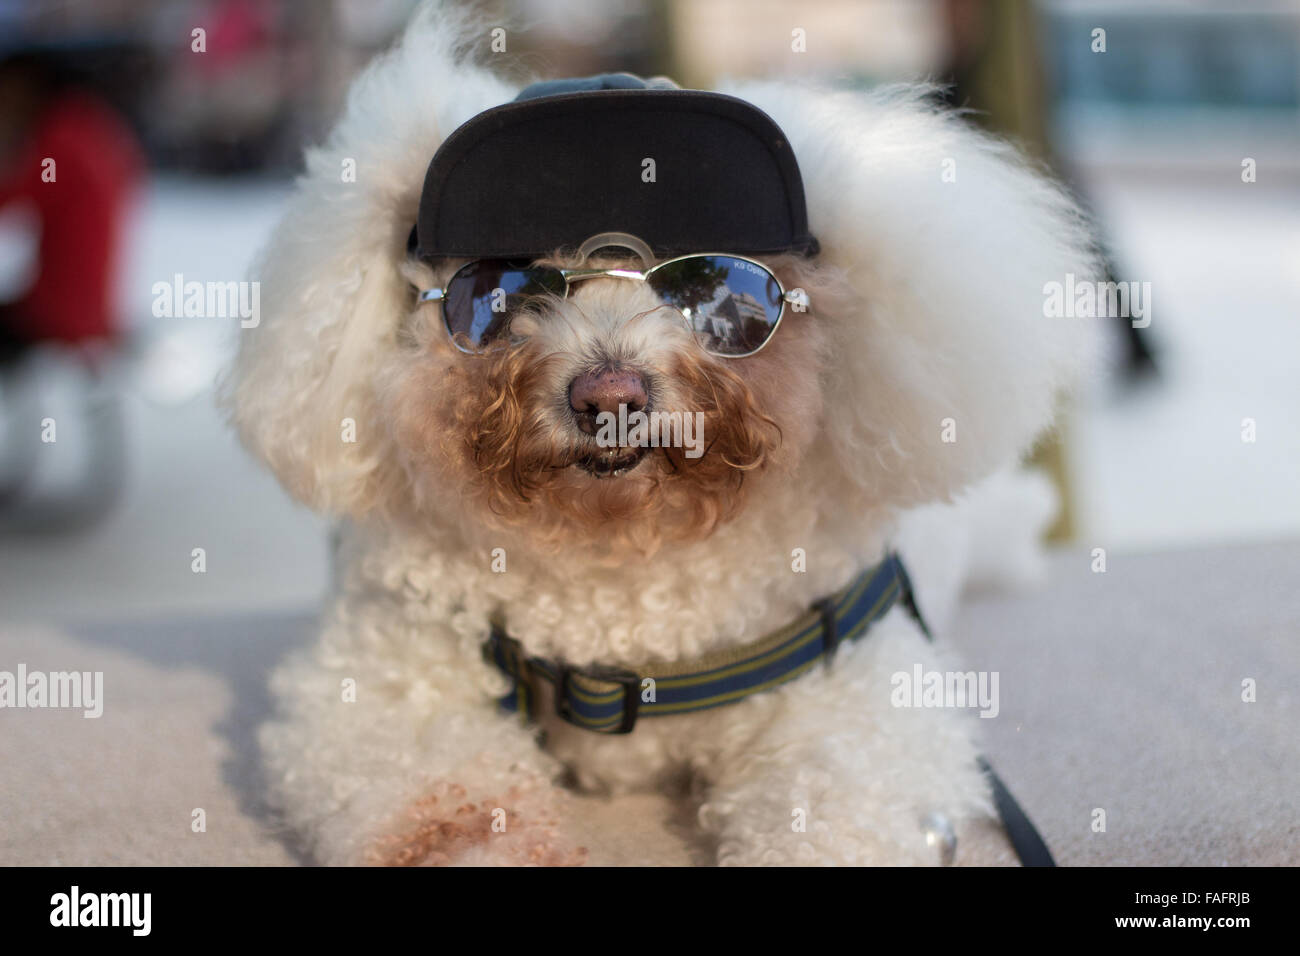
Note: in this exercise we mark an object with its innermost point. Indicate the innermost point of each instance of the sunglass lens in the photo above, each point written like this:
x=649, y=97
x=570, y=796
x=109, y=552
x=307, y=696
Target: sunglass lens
x=483, y=296
x=732, y=304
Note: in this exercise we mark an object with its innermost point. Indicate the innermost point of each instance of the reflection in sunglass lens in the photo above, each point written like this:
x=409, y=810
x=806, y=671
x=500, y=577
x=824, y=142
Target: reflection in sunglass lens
x=732, y=304
x=483, y=296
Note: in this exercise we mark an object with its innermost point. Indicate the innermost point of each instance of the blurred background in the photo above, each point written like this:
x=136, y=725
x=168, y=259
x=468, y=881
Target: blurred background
x=1178, y=126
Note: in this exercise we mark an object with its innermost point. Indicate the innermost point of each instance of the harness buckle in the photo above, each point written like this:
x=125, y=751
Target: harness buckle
x=830, y=629
x=628, y=681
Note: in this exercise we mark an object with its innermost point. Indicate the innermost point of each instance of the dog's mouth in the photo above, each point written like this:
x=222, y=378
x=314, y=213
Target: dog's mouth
x=611, y=462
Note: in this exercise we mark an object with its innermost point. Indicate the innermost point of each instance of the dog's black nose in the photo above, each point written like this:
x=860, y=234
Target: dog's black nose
x=604, y=390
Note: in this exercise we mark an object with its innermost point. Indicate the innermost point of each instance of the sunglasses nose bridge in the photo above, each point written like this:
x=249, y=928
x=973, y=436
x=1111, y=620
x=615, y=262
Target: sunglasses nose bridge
x=580, y=275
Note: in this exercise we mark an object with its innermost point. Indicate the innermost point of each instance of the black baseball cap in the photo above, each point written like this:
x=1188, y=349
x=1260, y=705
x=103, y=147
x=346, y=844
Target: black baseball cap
x=566, y=160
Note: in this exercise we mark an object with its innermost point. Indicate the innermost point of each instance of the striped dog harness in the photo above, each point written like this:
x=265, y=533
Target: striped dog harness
x=611, y=700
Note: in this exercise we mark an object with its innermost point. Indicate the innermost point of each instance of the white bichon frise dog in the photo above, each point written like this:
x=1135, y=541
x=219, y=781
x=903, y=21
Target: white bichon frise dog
x=534, y=600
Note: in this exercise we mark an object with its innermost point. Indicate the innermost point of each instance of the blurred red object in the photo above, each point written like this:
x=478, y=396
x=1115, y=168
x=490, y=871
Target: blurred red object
x=79, y=166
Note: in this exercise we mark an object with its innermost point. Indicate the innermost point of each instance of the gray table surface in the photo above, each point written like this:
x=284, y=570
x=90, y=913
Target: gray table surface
x=1119, y=691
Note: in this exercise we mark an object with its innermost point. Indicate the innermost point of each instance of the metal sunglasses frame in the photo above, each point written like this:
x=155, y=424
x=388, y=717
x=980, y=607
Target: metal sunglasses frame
x=795, y=297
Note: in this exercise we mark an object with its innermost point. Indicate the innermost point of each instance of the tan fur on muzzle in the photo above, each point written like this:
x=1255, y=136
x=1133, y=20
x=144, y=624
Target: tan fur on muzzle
x=521, y=467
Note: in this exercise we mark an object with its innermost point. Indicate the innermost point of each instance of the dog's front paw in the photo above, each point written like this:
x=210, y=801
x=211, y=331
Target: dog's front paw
x=448, y=826
x=827, y=802
x=841, y=839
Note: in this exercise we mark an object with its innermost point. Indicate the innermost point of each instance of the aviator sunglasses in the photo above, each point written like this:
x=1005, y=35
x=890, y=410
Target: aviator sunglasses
x=732, y=304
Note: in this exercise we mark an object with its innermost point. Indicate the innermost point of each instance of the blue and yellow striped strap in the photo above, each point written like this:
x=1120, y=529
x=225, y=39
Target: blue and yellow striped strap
x=607, y=700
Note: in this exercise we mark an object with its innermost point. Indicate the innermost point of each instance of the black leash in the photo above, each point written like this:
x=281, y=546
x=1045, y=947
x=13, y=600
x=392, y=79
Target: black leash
x=1024, y=836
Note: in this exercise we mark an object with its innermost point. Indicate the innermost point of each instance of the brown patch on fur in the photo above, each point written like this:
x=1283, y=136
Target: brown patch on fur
x=522, y=474
x=433, y=832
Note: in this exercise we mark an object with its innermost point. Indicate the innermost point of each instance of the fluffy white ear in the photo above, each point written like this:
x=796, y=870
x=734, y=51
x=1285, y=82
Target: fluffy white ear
x=331, y=291
x=945, y=366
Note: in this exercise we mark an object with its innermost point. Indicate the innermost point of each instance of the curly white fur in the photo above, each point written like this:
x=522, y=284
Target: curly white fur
x=948, y=323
